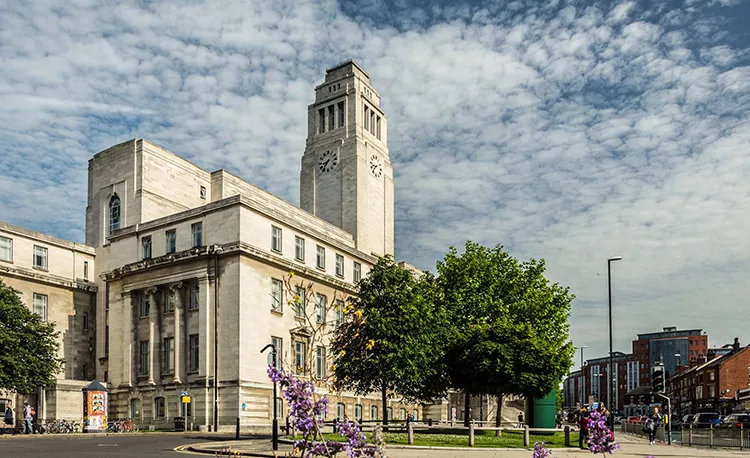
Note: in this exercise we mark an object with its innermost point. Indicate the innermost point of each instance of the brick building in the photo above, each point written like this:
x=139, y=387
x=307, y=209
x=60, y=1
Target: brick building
x=670, y=346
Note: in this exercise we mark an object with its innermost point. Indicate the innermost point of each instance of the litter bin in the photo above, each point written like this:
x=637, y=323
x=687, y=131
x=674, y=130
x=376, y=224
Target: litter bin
x=179, y=424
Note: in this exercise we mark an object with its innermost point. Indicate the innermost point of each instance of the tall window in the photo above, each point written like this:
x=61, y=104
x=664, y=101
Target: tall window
x=6, y=249
x=402, y=414
x=320, y=257
x=299, y=248
x=135, y=408
x=160, y=408
x=276, y=238
x=114, y=213
x=321, y=120
x=300, y=302
x=339, y=265
x=373, y=412
x=40, y=305
x=145, y=304
x=85, y=270
x=331, y=118
x=367, y=118
x=40, y=257
x=320, y=362
x=358, y=412
x=143, y=357
x=169, y=303
x=300, y=349
x=85, y=321
x=357, y=274
x=194, y=354
x=389, y=413
x=320, y=308
x=339, y=311
x=197, y=231
x=377, y=127
x=168, y=347
x=194, y=294
x=277, y=342
x=146, y=247
x=171, y=241
x=276, y=299
x=342, y=114
x=340, y=410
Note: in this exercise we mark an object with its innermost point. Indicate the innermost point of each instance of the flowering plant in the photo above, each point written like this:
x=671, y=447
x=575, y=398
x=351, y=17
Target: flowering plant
x=540, y=451
x=599, y=435
x=308, y=413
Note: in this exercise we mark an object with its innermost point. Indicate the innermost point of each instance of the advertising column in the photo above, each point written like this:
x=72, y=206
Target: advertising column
x=95, y=408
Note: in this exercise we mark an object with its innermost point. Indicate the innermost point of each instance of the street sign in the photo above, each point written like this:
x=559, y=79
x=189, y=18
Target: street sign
x=184, y=393
x=186, y=399
x=743, y=395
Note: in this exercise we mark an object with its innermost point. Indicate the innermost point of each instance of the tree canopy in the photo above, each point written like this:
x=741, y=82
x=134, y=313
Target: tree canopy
x=28, y=346
x=391, y=339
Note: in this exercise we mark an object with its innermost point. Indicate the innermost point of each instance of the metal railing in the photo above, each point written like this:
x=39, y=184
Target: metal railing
x=689, y=435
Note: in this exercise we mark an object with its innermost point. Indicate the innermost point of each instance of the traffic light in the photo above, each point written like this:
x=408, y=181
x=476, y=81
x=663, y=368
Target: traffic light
x=657, y=379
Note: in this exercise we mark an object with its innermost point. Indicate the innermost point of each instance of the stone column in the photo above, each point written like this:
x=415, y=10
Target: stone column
x=205, y=333
x=175, y=289
x=130, y=305
x=152, y=311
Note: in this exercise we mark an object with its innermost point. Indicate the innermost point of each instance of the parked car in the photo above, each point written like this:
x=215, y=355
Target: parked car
x=736, y=420
x=706, y=420
x=633, y=419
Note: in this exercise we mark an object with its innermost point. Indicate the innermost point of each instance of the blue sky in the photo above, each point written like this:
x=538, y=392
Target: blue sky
x=570, y=131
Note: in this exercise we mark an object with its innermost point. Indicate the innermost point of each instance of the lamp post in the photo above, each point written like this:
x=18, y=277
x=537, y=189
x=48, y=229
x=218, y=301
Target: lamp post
x=581, y=348
x=613, y=387
x=216, y=251
x=275, y=421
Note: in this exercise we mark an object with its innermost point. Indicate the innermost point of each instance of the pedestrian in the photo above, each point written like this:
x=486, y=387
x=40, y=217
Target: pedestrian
x=583, y=428
x=28, y=427
x=652, y=424
x=520, y=419
x=8, y=419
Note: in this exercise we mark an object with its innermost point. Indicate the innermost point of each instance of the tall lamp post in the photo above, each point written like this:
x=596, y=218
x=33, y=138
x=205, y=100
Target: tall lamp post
x=581, y=348
x=275, y=422
x=216, y=251
x=613, y=387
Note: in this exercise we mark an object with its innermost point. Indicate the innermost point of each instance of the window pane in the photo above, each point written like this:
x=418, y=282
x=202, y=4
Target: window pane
x=194, y=294
x=342, y=114
x=279, y=344
x=197, y=230
x=40, y=257
x=300, y=300
x=357, y=272
x=276, y=299
x=171, y=241
x=331, y=118
x=40, y=306
x=194, y=352
x=322, y=301
x=6, y=249
x=146, y=247
x=114, y=213
x=321, y=257
x=299, y=248
x=276, y=238
x=339, y=265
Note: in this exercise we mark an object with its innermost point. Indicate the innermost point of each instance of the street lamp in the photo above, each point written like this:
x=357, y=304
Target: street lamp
x=275, y=421
x=216, y=251
x=613, y=387
x=581, y=348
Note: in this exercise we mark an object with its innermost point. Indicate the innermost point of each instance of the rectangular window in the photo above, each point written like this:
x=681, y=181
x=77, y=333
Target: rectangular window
x=320, y=362
x=145, y=304
x=300, y=349
x=160, y=408
x=277, y=342
x=320, y=314
x=357, y=274
x=342, y=114
x=367, y=118
x=373, y=412
x=377, y=127
x=168, y=347
x=320, y=257
x=169, y=303
x=339, y=311
x=194, y=293
x=300, y=300
x=6, y=249
x=197, y=230
x=339, y=265
x=358, y=413
x=171, y=241
x=40, y=257
x=321, y=120
x=194, y=353
x=712, y=376
x=85, y=321
x=276, y=299
x=40, y=305
x=372, y=122
x=85, y=270
x=276, y=238
x=146, y=247
x=143, y=358
x=331, y=118
x=135, y=408
x=299, y=248
x=203, y=192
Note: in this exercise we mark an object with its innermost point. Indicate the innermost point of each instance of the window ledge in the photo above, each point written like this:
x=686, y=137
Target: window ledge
x=143, y=317
x=340, y=275
x=277, y=312
x=193, y=309
x=171, y=312
x=195, y=372
x=276, y=251
x=322, y=269
x=299, y=260
x=43, y=269
x=9, y=261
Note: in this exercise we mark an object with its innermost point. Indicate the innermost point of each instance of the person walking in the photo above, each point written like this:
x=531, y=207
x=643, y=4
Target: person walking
x=520, y=419
x=583, y=428
x=652, y=424
x=8, y=419
x=28, y=426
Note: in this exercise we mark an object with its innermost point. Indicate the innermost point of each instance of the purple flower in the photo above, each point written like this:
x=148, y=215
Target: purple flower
x=599, y=435
x=540, y=451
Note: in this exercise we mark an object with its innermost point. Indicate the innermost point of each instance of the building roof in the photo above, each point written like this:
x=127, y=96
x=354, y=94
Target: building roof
x=670, y=331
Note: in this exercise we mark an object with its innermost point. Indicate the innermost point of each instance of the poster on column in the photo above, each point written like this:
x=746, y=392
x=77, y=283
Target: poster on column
x=95, y=408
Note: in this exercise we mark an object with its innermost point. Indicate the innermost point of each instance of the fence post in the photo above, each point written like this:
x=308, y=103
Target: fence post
x=742, y=436
x=237, y=429
x=711, y=435
x=567, y=436
x=690, y=435
x=525, y=435
x=471, y=434
x=410, y=433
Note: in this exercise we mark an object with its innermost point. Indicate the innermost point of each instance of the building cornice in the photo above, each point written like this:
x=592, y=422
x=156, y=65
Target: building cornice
x=48, y=239
x=47, y=278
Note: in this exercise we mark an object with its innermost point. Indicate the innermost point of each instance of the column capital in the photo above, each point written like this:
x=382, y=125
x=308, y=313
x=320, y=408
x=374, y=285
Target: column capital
x=175, y=286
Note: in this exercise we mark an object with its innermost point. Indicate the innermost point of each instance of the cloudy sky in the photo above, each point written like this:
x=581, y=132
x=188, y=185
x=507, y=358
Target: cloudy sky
x=571, y=131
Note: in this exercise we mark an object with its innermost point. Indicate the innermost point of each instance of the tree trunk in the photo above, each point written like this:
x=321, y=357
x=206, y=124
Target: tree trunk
x=384, y=400
x=499, y=416
x=467, y=407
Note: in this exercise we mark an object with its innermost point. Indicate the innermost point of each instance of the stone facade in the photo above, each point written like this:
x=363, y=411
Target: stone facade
x=54, y=278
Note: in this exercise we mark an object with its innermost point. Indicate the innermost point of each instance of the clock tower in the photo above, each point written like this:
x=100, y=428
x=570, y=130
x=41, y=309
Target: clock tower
x=346, y=176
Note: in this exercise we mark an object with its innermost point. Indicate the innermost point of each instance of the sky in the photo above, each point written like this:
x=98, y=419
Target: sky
x=569, y=131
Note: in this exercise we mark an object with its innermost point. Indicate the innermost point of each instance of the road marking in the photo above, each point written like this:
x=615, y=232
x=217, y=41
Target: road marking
x=107, y=445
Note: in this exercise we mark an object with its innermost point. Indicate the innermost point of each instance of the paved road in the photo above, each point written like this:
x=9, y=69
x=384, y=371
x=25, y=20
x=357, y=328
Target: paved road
x=112, y=446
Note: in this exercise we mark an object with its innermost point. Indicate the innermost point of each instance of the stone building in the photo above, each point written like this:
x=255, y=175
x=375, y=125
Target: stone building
x=55, y=280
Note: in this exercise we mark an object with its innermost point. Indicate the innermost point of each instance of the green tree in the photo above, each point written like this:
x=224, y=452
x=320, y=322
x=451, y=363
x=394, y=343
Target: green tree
x=28, y=346
x=390, y=341
x=510, y=325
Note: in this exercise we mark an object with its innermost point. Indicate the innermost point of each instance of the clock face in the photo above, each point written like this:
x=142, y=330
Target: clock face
x=328, y=161
x=376, y=166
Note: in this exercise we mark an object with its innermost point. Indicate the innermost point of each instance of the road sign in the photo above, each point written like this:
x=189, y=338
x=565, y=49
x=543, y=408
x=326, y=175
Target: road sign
x=186, y=399
x=184, y=393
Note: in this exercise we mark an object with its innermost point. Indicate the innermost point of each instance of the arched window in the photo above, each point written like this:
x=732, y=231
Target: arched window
x=373, y=412
x=114, y=213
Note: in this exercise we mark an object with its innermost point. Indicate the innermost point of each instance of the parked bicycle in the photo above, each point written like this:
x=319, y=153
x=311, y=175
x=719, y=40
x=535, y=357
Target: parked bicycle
x=122, y=426
x=62, y=427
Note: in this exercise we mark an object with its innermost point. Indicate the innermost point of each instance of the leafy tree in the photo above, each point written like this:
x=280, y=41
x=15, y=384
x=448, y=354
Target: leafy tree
x=28, y=346
x=510, y=325
x=391, y=340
